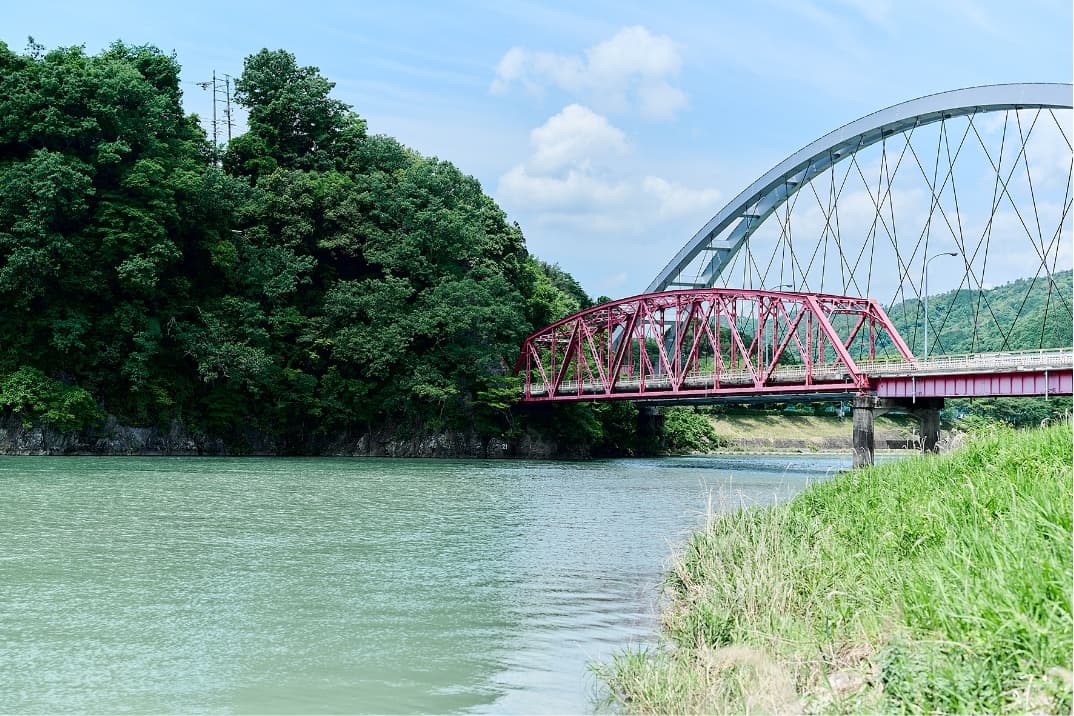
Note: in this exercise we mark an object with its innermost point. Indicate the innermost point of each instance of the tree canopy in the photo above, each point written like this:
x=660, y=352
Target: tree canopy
x=308, y=278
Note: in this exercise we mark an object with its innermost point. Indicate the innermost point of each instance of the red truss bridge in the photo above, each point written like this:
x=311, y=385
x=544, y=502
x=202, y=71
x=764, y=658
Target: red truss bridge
x=794, y=289
x=709, y=344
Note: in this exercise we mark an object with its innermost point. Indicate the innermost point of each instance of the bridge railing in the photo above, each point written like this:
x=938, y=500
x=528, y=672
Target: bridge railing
x=976, y=362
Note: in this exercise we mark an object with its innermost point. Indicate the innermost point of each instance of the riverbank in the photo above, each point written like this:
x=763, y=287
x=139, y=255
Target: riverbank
x=759, y=431
x=937, y=584
x=177, y=440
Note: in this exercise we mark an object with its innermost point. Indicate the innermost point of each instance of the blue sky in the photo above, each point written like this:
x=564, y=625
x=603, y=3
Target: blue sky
x=611, y=131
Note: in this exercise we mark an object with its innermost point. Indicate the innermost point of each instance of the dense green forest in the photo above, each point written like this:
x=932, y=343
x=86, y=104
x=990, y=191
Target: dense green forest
x=307, y=279
x=1024, y=314
x=1021, y=315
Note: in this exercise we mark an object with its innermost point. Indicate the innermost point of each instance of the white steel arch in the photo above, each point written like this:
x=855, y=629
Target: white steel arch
x=726, y=232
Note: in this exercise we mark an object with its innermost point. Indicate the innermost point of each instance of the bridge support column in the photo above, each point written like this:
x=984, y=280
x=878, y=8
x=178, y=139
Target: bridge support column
x=864, y=441
x=650, y=430
x=927, y=412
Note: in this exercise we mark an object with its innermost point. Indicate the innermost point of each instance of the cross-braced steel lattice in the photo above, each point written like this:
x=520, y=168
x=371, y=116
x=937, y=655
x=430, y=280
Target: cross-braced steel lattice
x=708, y=342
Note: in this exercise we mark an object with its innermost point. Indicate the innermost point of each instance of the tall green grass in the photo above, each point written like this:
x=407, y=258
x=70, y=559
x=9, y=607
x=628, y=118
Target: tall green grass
x=933, y=584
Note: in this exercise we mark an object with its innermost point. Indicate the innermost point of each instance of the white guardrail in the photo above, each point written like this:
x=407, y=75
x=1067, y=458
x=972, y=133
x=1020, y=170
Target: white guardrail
x=1050, y=359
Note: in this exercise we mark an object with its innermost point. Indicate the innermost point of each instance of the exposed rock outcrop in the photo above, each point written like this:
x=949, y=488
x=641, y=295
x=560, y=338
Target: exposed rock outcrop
x=112, y=438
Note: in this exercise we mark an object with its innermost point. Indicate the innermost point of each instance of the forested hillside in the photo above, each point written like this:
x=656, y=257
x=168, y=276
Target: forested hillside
x=309, y=278
x=1021, y=315
x=1024, y=314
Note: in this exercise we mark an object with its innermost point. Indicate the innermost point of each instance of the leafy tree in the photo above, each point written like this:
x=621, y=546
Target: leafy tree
x=293, y=123
x=31, y=393
x=686, y=430
x=404, y=280
x=105, y=194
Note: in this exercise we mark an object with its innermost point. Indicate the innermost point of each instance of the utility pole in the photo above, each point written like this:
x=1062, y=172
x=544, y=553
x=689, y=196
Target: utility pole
x=227, y=111
x=219, y=86
x=216, y=142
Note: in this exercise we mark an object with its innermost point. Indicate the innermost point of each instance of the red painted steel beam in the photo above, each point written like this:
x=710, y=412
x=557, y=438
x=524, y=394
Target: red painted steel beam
x=688, y=393
x=654, y=346
x=978, y=385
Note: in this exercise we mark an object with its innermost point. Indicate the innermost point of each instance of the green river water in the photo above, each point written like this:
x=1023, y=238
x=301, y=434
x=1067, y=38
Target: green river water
x=251, y=585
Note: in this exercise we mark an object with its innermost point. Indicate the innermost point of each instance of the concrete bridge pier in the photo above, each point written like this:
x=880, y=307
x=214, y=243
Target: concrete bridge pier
x=927, y=412
x=867, y=407
x=864, y=443
x=650, y=429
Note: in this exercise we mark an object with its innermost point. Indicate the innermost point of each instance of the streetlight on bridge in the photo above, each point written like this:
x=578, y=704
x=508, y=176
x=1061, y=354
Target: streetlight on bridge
x=926, y=282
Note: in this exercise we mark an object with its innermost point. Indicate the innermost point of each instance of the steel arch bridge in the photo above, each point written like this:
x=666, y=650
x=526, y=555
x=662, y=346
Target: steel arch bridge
x=726, y=233
x=828, y=297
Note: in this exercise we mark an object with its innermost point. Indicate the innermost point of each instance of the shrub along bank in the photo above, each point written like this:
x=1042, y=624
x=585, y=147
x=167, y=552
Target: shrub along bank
x=935, y=584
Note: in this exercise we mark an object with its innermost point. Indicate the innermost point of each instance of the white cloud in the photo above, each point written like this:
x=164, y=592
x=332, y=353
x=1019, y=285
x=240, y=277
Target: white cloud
x=533, y=70
x=575, y=178
x=574, y=192
x=675, y=200
x=631, y=70
x=575, y=137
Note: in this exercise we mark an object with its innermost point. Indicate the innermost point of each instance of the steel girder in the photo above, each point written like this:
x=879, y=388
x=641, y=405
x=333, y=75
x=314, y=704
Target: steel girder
x=726, y=232
x=707, y=342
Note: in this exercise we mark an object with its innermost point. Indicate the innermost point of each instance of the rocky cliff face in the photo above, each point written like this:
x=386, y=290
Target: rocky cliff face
x=448, y=444
x=111, y=438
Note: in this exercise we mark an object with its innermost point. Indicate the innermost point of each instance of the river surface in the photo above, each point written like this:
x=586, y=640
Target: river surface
x=201, y=585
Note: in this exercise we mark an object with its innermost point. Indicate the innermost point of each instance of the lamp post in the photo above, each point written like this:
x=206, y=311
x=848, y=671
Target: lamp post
x=926, y=281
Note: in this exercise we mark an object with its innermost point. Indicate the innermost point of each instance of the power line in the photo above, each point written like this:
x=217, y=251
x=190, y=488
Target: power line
x=220, y=87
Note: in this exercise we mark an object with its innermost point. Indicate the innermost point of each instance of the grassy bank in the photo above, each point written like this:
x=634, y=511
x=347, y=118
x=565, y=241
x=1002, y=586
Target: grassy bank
x=936, y=584
x=759, y=429
x=689, y=430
